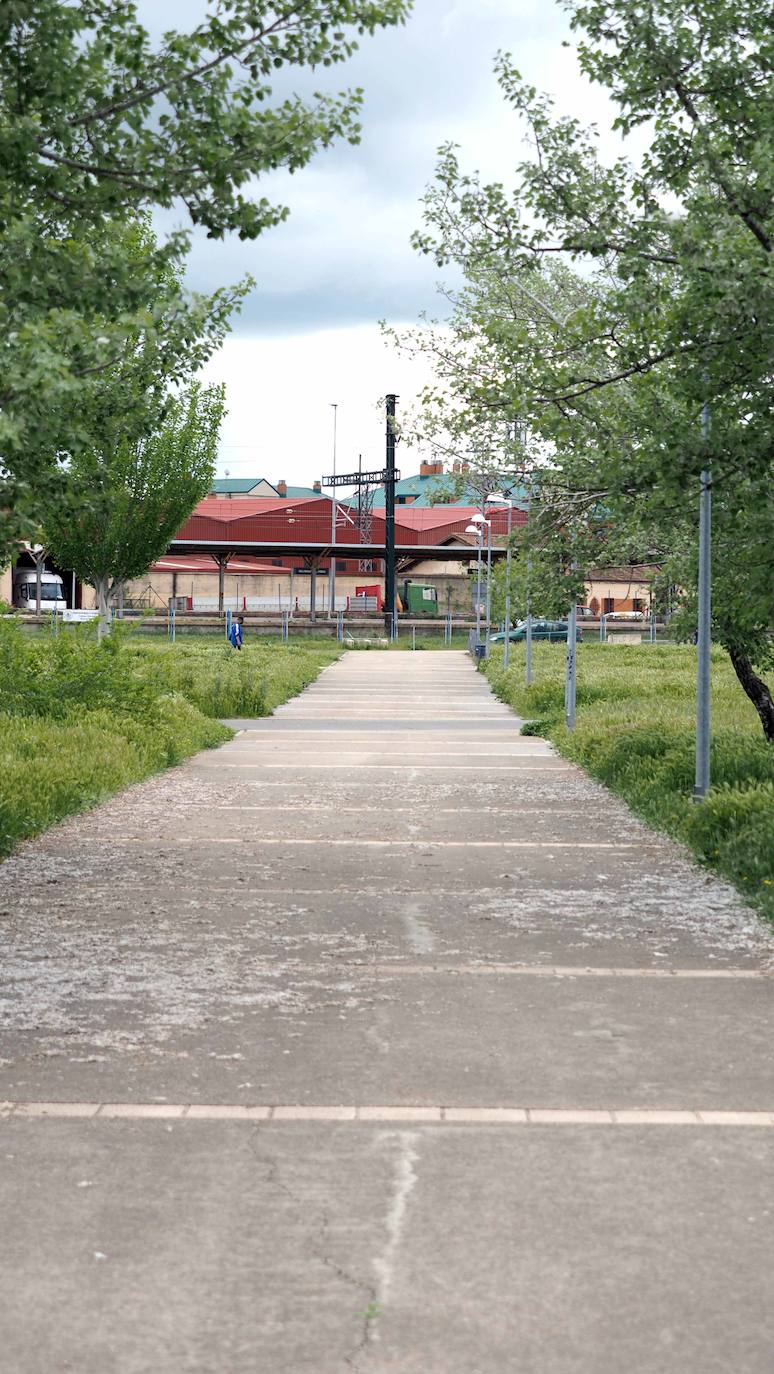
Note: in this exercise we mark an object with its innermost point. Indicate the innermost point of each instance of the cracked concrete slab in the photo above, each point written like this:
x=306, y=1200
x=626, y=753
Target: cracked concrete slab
x=399, y=955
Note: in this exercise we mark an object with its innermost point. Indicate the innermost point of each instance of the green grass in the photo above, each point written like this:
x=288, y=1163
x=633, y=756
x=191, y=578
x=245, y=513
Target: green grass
x=224, y=683
x=80, y=720
x=635, y=733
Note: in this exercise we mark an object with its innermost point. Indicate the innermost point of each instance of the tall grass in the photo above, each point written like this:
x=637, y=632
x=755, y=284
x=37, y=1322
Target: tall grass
x=635, y=733
x=224, y=683
x=80, y=720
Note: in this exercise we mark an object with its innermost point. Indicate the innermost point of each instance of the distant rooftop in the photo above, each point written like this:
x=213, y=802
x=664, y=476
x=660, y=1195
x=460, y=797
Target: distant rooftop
x=243, y=486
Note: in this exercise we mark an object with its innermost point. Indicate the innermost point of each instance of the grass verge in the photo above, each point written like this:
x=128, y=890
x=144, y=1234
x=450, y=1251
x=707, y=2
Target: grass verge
x=81, y=720
x=635, y=733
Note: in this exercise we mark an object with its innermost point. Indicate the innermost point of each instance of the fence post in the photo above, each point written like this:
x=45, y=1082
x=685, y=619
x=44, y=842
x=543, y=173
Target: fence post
x=340, y=626
x=603, y=629
x=285, y=616
x=228, y=624
x=413, y=636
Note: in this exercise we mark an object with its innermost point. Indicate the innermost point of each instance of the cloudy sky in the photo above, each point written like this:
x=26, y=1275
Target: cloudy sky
x=308, y=336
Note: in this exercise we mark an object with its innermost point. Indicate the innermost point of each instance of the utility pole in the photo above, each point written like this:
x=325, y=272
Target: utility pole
x=528, y=660
x=332, y=573
x=507, y=645
x=704, y=626
x=389, y=521
x=488, y=586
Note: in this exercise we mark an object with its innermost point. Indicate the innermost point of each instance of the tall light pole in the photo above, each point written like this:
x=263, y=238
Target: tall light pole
x=498, y=500
x=477, y=529
x=506, y=651
x=704, y=626
x=488, y=583
x=528, y=607
x=332, y=574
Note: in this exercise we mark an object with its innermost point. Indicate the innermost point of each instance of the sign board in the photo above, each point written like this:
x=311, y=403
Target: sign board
x=72, y=615
x=361, y=479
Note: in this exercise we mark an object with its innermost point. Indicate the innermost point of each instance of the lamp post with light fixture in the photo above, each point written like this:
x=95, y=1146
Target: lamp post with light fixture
x=477, y=529
x=332, y=573
x=498, y=500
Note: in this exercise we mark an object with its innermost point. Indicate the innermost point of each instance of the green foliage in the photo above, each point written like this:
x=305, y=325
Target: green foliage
x=609, y=367
x=635, y=733
x=224, y=683
x=80, y=719
x=52, y=767
x=99, y=125
x=130, y=499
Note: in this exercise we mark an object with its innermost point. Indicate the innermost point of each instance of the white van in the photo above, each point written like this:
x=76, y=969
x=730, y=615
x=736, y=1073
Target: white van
x=25, y=590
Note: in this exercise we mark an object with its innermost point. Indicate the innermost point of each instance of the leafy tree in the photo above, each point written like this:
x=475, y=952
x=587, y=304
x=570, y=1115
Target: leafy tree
x=96, y=125
x=673, y=308
x=137, y=495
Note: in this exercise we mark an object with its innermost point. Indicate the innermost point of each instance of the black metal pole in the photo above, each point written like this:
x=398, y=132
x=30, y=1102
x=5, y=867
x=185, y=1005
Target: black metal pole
x=390, y=605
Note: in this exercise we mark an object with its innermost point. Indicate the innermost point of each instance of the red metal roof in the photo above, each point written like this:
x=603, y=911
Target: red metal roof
x=307, y=521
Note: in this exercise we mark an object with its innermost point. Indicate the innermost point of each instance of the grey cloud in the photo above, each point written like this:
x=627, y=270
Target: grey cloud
x=344, y=255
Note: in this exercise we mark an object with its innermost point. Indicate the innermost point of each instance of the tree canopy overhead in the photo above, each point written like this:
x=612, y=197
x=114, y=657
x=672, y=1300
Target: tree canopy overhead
x=98, y=126
x=605, y=304
x=95, y=119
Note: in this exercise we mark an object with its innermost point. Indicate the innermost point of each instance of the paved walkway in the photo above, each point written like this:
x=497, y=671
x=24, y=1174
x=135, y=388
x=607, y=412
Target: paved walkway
x=381, y=1040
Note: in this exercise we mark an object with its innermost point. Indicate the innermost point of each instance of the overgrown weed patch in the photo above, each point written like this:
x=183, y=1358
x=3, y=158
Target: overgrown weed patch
x=81, y=720
x=635, y=733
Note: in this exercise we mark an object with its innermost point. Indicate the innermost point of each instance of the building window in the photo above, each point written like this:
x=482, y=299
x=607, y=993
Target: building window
x=637, y=604
x=608, y=605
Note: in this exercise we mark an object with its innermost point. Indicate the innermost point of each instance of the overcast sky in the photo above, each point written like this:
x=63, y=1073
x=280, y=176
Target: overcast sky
x=308, y=335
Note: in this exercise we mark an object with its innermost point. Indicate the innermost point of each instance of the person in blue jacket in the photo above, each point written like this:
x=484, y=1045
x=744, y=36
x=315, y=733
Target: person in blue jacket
x=237, y=637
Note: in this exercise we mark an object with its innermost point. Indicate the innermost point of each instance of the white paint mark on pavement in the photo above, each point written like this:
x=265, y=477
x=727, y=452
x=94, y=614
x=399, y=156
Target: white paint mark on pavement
x=429, y=1115
x=404, y=1181
x=419, y=936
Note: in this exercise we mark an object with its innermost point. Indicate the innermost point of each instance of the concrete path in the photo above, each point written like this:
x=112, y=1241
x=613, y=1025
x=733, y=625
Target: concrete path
x=381, y=1040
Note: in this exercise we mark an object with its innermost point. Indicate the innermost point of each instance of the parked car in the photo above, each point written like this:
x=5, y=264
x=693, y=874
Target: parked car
x=555, y=631
x=586, y=613
x=625, y=615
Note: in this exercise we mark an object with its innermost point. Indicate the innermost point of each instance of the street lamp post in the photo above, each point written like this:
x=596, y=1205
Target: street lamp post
x=478, y=531
x=507, y=648
x=332, y=574
x=497, y=500
x=488, y=584
x=528, y=607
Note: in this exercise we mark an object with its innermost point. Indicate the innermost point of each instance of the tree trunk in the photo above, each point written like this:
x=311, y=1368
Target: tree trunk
x=756, y=689
x=102, y=587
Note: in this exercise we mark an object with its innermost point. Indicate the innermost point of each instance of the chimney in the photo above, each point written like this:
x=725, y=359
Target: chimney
x=317, y=486
x=425, y=469
x=282, y=487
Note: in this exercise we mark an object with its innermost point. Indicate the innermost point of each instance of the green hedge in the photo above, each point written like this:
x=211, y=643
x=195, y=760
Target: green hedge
x=635, y=733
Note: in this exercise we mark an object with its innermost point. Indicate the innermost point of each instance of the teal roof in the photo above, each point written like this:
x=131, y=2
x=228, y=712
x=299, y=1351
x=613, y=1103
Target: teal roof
x=298, y=492
x=237, y=486
x=430, y=491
